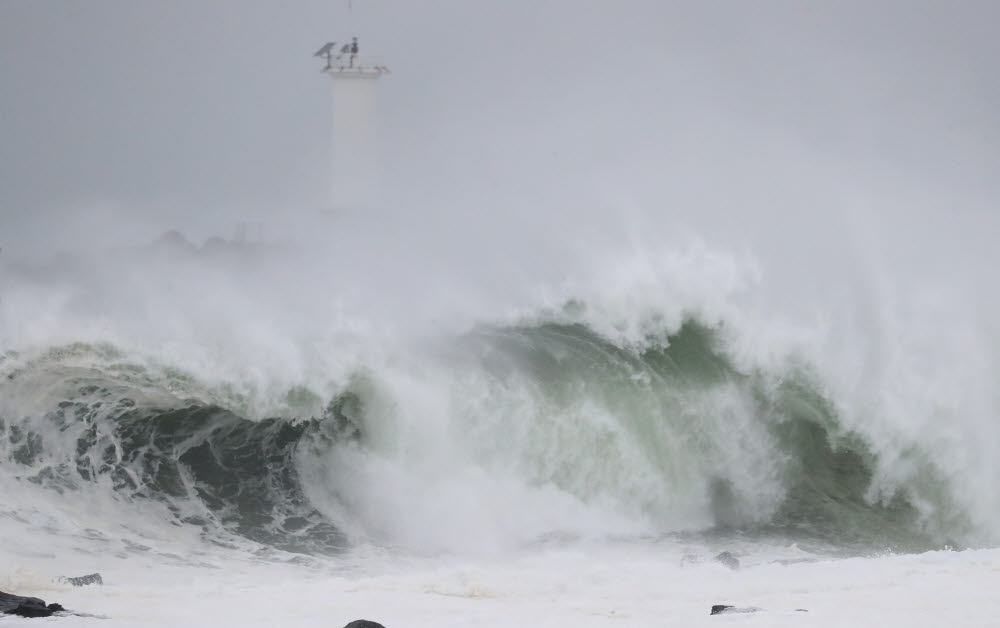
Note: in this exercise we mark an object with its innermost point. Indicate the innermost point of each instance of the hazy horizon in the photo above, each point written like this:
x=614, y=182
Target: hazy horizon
x=713, y=116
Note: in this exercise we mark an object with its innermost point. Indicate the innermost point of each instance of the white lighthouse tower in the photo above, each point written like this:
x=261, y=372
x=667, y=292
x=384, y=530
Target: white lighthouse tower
x=355, y=166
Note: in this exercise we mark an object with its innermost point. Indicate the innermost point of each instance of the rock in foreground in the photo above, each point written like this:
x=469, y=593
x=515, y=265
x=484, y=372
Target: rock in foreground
x=26, y=606
x=364, y=623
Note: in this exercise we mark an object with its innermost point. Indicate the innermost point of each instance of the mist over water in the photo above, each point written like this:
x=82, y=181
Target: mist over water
x=699, y=293
x=651, y=390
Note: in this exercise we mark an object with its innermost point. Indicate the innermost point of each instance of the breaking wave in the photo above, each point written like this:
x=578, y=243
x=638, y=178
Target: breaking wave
x=506, y=434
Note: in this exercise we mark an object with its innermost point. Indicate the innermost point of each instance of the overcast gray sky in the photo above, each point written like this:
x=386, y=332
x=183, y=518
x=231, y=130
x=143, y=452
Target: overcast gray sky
x=188, y=113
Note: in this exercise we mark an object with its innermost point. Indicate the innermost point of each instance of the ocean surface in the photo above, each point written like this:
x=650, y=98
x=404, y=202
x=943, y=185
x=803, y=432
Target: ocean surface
x=245, y=435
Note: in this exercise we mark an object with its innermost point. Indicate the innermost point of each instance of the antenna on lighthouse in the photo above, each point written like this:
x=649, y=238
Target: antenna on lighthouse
x=355, y=77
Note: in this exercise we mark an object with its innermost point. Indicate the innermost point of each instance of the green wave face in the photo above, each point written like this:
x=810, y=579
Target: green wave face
x=678, y=435
x=672, y=437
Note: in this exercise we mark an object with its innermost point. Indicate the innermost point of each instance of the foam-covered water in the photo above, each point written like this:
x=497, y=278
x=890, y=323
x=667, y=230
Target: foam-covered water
x=193, y=420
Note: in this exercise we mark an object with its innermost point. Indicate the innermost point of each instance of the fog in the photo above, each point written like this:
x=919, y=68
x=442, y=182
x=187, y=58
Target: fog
x=852, y=142
x=170, y=111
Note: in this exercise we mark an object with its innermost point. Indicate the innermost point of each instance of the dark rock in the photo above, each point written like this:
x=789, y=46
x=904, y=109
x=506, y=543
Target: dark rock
x=728, y=560
x=26, y=606
x=81, y=581
x=364, y=623
x=726, y=609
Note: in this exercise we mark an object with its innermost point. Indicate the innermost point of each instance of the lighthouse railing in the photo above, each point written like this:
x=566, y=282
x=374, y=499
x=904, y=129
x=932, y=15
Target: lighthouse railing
x=348, y=63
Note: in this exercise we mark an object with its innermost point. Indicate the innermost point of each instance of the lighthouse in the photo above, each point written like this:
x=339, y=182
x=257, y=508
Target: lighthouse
x=355, y=177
